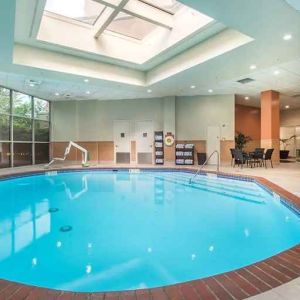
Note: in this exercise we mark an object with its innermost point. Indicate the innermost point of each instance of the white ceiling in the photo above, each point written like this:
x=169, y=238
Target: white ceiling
x=294, y=3
x=265, y=21
x=285, y=78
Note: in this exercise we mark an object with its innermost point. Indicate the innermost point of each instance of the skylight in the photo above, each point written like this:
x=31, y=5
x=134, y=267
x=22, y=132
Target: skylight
x=86, y=11
x=128, y=30
x=131, y=26
x=132, y=18
x=170, y=6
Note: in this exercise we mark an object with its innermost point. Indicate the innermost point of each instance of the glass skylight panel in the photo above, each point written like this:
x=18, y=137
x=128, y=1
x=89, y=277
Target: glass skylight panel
x=131, y=26
x=86, y=11
x=171, y=6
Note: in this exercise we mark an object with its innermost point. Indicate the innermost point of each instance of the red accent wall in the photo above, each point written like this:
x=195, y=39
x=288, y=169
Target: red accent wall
x=247, y=121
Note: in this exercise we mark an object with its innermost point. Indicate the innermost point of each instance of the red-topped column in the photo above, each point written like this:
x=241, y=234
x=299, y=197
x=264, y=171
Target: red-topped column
x=270, y=122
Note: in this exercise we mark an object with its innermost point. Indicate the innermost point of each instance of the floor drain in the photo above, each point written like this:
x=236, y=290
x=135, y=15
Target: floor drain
x=65, y=228
x=53, y=210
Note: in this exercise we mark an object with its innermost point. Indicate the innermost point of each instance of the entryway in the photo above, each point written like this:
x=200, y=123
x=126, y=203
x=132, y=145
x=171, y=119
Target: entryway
x=122, y=145
x=144, y=142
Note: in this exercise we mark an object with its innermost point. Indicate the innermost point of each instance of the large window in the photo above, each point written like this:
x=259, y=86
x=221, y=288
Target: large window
x=4, y=127
x=22, y=105
x=41, y=131
x=4, y=155
x=41, y=153
x=24, y=129
x=4, y=101
x=41, y=109
x=22, y=154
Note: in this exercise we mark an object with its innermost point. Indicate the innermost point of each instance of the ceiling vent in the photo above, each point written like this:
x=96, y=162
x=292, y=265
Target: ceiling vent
x=245, y=80
x=32, y=83
x=68, y=96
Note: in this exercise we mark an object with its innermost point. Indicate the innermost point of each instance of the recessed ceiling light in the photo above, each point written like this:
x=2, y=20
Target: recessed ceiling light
x=252, y=67
x=210, y=90
x=87, y=92
x=247, y=98
x=149, y=91
x=56, y=94
x=276, y=72
x=193, y=86
x=287, y=106
x=287, y=37
x=86, y=80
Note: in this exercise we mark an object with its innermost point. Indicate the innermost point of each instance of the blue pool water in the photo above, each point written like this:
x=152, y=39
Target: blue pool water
x=135, y=230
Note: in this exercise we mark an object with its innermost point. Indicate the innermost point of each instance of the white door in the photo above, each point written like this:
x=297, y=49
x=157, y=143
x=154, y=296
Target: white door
x=144, y=141
x=213, y=143
x=122, y=141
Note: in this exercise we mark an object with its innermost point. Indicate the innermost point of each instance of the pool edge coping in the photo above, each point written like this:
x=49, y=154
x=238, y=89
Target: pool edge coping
x=241, y=283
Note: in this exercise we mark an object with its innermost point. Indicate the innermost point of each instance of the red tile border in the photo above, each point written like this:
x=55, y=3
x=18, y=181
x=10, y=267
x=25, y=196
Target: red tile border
x=234, y=285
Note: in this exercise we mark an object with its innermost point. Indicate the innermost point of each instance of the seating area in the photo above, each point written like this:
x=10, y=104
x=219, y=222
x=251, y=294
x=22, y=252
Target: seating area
x=257, y=158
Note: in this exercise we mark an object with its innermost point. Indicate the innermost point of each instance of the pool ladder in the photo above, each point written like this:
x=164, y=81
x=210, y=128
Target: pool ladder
x=205, y=163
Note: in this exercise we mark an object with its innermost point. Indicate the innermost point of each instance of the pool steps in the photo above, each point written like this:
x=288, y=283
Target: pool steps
x=215, y=181
x=248, y=194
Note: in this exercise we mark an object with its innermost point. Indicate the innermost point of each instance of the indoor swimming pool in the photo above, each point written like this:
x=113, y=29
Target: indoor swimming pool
x=113, y=230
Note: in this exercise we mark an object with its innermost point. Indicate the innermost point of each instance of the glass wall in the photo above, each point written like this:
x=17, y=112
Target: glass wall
x=24, y=129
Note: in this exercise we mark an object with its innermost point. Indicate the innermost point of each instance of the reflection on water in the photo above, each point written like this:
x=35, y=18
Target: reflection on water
x=23, y=228
x=72, y=195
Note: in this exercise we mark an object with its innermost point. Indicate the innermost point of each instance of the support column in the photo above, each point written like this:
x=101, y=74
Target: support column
x=270, y=122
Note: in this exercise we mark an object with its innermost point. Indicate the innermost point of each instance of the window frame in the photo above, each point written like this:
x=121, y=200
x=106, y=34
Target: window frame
x=32, y=119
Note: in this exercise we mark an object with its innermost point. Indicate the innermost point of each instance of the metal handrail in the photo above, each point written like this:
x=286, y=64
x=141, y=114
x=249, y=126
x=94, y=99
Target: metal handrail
x=67, y=151
x=200, y=169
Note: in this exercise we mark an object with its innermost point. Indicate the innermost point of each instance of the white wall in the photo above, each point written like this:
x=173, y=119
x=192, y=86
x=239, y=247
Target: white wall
x=49, y=60
x=195, y=114
x=290, y=117
x=188, y=117
x=64, y=121
x=285, y=133
x=93, y=120
x=290, y=125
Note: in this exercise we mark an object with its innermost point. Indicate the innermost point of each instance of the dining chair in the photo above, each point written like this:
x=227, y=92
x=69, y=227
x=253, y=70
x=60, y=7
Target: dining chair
x=257, y=156
x=268, y=156
x=232, y=155
x=239, y=158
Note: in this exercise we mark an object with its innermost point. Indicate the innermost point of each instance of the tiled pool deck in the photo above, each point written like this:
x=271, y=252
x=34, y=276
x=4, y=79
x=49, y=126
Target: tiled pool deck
x=243, y=283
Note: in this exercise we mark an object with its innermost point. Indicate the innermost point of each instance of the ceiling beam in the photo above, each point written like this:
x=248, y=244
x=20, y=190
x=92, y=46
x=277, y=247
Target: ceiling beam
x=109, y=3
x=143, y=11
x=107, y=17
x=101, y=24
